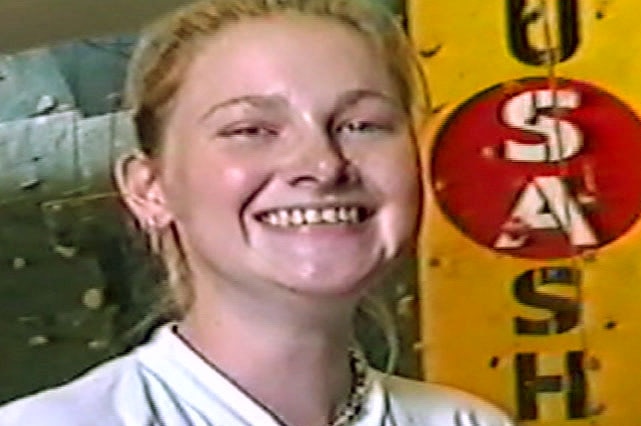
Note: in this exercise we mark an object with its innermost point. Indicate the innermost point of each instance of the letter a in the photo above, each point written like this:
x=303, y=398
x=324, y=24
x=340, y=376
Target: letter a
x=546, y=204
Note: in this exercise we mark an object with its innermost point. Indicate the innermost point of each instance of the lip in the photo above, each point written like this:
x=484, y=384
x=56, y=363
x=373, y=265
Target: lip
x=366, y=207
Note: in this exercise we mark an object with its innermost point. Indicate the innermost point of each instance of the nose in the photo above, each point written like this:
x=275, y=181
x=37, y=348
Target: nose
x=319, y=162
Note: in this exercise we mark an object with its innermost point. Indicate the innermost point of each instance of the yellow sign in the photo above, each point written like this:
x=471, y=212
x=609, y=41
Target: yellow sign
x=531, y=251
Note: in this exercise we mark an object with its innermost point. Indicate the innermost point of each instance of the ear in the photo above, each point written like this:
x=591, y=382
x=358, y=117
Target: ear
x=137, y=180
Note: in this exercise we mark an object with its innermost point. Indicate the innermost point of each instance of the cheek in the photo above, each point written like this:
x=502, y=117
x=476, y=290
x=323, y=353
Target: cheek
x=395, y=171
x=231, y=186
x=211, y=187
x=397, y=179
x=235, y=180
x=404, y=192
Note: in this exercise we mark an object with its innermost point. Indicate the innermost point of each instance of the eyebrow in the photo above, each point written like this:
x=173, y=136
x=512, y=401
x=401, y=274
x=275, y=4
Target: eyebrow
x=353, y=97
x=256, y=101
x=345, y=101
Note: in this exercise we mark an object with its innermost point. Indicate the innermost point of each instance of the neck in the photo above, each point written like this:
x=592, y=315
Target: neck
x=299, y=364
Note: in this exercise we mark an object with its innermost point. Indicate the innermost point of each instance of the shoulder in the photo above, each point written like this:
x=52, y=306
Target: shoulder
x=78, y=403
x=423, y=403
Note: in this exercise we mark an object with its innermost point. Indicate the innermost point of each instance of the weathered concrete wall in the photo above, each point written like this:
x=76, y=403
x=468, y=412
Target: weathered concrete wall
x=60, y=153
x=64, y=252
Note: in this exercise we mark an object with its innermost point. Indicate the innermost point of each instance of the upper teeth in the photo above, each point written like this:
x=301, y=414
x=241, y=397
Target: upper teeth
x=309, y=216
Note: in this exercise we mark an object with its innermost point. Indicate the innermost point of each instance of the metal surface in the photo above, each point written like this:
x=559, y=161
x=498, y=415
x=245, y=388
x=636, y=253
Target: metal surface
x=31, y=84
x=62, y=247
x=554, y=337
x=60, y=154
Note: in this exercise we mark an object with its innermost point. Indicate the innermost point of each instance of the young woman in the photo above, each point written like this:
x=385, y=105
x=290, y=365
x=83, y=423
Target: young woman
x=278, y=178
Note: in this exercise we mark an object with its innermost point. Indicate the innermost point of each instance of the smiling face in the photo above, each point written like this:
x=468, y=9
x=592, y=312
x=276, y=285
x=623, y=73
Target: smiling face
x=287, y=160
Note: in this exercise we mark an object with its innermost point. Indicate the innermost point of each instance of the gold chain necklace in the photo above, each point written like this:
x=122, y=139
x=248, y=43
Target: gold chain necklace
x=351, y=408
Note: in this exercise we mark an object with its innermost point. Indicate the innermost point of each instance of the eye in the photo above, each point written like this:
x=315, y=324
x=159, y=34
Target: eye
x=249, y=132
x=362, y=127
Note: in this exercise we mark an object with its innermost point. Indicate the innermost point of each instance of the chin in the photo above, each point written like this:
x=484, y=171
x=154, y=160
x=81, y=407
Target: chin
x=333, y=284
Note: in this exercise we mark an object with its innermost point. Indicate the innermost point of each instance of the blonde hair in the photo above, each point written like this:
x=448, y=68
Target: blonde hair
x=167, y=48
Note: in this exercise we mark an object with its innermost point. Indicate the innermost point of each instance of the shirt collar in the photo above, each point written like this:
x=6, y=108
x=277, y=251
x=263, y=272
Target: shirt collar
x=189, y=377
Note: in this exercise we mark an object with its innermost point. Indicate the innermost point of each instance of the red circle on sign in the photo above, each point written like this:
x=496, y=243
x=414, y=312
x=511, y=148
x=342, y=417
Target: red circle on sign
x=540, y=171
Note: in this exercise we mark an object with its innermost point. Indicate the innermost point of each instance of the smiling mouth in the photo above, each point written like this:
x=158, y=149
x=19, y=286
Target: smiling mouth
x=294, y=217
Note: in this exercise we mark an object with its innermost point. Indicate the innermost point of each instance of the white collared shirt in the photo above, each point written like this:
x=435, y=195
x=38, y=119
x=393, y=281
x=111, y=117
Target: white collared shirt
x=165, y=383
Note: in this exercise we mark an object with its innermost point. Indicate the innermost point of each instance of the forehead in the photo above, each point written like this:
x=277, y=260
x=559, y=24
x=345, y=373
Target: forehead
x=288, y=54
